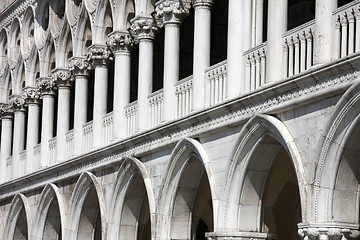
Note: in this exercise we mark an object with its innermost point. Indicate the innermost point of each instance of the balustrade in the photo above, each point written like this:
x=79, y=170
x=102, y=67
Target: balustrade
x=156, y=107
x=88, y=136
x=298, y=49
x=183, y=91
x=108, y=128
x=37, y=154
x=9, y=165
x=255, y=67
x=69, y=148
x=22, y=165
x=52, y=150
x=347, y=30
x=131, y=118
x=216, y=77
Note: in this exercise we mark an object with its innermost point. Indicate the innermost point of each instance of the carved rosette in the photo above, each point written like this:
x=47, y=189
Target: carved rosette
x=172, y=11
x=16, y=103
x=332, y=233
x=31, y=95
x=62, y=77
x=46, y=86
x=6, y=111
x=120, y=42
x=144, y=28
x=99, y=55
x=79, y=66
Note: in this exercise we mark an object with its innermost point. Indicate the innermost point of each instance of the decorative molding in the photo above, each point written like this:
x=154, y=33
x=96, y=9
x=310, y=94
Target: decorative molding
x=62, y=77
x=99, y=55
x=143, y=28
x=120, y=42
x=79, y=66
x=15, y=10
x=172, y=11
x=332, y=233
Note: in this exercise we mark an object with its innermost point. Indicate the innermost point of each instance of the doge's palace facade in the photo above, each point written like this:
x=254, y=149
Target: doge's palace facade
x=180, y=119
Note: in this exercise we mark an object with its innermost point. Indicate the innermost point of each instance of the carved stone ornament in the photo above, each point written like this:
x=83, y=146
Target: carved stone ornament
x=6, y=110
x=99, y=55
x=46, y=85
x=30, y=95
x=202, y=3
x=17, y=103
x=120, y=41
x=62, y=77
x=79, y=66
x=172, y=11
x=143, y=28
x=333, y=233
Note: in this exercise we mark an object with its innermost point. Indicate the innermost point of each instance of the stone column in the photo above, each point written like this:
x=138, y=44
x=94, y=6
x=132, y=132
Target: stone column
x=47, y=88
x=171, y=12
x=6, y=138
x=323, y=30
x=31, y=96
x=144, y=29
x=202, y=35
x=80, y=68
x=328, y=231
x=235, y=50
x=277, y=26
x=120, y=44
x=63, y=80
x=17, y=104
x=99, y=55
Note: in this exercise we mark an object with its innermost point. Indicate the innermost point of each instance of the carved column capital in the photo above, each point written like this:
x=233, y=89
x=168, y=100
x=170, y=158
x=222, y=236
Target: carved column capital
x=46, y=86
x=172, y=11
x=120, y=42
x=6, y=111
x=62, y=77
x=16, y=103
x=144, y=28
x=31, y=95
x=331, y=233
x=79, y=66
x=99, y=55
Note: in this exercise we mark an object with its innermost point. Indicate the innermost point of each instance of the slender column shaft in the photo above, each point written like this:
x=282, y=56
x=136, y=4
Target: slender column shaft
x=18, y=141
x=202, y=37
x=6, y=138
x=277, y=24
x=323, y=30
x=99, y=55
x=144, y=28
x=79, y=67
x=120, y=44
x=235, y=51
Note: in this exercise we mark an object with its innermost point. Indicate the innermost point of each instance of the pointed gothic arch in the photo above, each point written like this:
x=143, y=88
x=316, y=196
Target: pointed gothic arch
x=18, y=219
x=189, y=166
x=87, y=184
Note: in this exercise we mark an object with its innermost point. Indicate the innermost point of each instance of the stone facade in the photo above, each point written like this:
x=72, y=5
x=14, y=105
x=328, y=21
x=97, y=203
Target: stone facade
x=179, y=119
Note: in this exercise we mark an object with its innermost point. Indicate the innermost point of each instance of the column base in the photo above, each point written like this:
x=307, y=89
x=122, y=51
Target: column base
x=238, y=235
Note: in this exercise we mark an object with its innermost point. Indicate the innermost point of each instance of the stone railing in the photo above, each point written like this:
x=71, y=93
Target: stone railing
x=88, y=136
x=37, y=154
x=9, y=165
x=347, y=30
x=183, y=91
x=108, y=128
x=298, y=49
x=69, y=147
x=156, y=106
x=52, y=151
x=22, y=167
x=131, y=118
x=255, y=70
x=216, y=80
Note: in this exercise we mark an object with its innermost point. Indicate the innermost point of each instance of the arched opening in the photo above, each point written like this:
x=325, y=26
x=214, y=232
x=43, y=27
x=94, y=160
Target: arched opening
x=158, y=59
x=90, y=218
x=21, y=229
x=52, y=228
x=270, y=198
x=186, y=45
x=300, y=12
x=135, y=215
x=192, y=214
x=219, y=32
